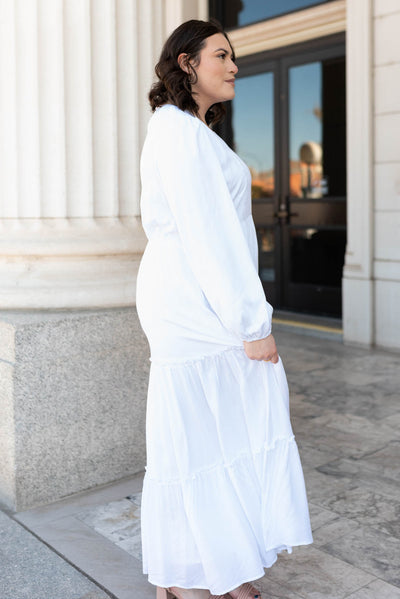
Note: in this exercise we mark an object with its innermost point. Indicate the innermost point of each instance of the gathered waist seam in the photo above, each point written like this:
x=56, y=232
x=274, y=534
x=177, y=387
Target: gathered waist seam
x=186, y=361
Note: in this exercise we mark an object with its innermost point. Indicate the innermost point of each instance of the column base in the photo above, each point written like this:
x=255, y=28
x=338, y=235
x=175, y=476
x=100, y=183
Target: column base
x=358, y=312
x=69, y=263
x=387, y=302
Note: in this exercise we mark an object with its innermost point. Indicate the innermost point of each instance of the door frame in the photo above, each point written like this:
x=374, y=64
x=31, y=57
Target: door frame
x=302, y=296
x=278, y=61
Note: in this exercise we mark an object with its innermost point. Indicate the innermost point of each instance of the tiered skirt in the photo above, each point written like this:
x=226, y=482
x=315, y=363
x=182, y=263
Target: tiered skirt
x=223, y=491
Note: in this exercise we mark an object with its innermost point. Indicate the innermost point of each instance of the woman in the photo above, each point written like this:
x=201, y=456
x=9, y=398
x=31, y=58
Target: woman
x=223, y=491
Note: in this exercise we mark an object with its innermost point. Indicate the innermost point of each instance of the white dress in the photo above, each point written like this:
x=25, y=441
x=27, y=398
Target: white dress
x=223, y=491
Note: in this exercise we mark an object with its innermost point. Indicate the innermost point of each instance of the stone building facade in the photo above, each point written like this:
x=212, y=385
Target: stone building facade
x=74, y=76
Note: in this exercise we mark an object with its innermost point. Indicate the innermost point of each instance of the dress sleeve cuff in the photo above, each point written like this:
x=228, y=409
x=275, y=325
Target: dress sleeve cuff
x=262, y=332
x=258, y=336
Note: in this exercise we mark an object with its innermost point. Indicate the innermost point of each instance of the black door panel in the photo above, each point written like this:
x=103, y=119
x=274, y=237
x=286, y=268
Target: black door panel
x=287, y=122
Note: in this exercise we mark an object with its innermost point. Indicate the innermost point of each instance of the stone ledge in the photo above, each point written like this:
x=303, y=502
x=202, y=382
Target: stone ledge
x=77, y=399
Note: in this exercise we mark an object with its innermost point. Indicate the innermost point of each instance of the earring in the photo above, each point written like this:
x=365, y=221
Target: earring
x=191, y=76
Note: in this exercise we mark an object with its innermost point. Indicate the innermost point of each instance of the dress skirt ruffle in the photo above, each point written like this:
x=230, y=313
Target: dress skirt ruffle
x=224, y=491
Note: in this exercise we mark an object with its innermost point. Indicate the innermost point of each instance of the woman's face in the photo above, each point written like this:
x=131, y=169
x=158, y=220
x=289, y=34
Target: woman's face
x=215, y=72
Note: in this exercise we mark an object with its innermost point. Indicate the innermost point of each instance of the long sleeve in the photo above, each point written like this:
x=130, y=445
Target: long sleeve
x=208, y=224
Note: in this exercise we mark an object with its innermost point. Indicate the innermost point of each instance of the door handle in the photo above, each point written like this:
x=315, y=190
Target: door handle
x=285, y=214
x=283, y=211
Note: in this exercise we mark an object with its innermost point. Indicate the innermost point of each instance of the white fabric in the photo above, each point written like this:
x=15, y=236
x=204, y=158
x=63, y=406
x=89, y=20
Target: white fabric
x=223, y=491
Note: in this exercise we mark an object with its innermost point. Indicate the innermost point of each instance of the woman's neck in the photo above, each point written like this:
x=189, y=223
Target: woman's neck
x=203, y=105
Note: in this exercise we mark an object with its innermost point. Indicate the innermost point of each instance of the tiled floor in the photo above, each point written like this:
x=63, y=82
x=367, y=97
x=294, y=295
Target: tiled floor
x=345, y=406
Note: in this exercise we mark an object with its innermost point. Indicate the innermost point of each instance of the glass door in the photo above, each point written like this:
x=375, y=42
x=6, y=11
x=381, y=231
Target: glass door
x=287, y=122
x=253, y=124
x=313, y=199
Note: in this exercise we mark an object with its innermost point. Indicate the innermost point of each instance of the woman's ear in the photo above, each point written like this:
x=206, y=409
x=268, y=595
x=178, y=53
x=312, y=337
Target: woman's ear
x=183, y=62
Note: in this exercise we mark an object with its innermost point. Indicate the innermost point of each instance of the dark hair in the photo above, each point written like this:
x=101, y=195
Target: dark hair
x=175, y=85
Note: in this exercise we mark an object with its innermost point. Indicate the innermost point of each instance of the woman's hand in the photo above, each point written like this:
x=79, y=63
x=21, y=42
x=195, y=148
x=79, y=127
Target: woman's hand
x=262, y=349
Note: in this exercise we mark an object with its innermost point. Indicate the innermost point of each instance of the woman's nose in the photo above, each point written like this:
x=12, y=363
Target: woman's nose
x=233, y=67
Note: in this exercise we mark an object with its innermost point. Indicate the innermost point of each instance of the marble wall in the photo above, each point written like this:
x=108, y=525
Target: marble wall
x=386, y=65
x=371, y=281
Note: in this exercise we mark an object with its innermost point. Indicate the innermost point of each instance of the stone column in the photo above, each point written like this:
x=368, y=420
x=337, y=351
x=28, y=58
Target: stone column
x=386, y=108
x=74, y=77
x=178, y=11
x=73, y=88
x=358, y=285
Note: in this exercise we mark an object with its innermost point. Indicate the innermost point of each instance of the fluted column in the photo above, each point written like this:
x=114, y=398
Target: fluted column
x=128, y=106
x=50, y=63
x=104, y=107
x=9, y=199
x=24, y=21
x=74, y=79
x=78, y=108
x=178, y=11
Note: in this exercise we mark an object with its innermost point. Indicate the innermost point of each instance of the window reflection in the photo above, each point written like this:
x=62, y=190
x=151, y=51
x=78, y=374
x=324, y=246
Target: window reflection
x=266, y=245
x=305, y=129
x=317, y=129
x=242, y=12
x=253, y=126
